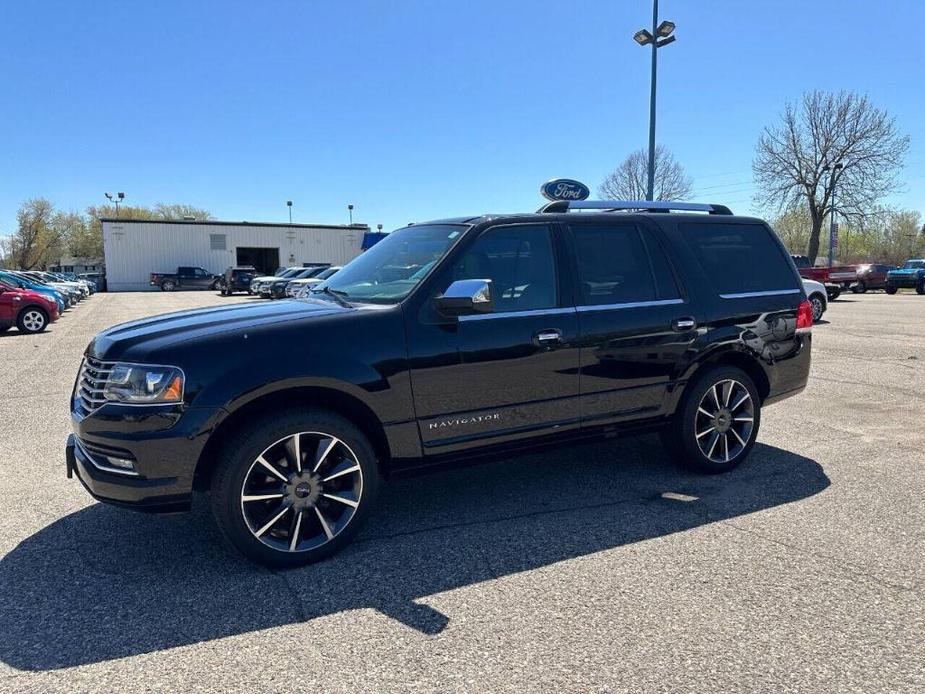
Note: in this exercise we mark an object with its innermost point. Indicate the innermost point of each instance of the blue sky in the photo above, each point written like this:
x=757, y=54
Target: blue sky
x=419, y=109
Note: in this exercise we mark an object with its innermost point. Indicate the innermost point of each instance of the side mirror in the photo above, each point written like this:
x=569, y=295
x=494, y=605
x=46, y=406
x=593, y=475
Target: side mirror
x=466, y=298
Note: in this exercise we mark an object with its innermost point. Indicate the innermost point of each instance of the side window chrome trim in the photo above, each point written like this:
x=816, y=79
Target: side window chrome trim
x=518, y=314
x=747, y=295
x=629, y=304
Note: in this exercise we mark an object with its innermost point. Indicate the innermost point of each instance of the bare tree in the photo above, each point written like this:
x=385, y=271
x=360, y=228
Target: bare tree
x=630, y=180
x=794, y=160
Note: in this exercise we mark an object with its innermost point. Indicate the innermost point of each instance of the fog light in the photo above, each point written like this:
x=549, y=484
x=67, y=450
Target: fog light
x=121, y=463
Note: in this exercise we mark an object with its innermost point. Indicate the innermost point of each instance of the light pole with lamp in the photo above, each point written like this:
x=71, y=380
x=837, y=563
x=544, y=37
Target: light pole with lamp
x=116, y=199
x=289, y=205
x=661, y=35
x=350, y=212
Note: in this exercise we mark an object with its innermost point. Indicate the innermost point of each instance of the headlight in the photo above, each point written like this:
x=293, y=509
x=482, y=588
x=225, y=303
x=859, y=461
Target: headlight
x=144, y=384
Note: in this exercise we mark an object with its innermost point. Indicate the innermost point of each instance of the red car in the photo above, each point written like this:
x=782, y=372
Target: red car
x=871, y=276
x=30, y=311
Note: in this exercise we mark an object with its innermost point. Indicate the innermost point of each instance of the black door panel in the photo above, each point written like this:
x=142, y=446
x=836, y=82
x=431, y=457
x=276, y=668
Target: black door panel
x=493, y=377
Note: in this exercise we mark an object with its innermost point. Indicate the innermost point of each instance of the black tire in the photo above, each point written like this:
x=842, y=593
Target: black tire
x=818, y=304
x=31, y=320
x=890, y=290
x=4, y=328
x=833, y=294
x=680, y=437
x=224, y=292
x=860, y=287
x=168, y=286
x=920, y=289
x=215, y=285
x=303, y=495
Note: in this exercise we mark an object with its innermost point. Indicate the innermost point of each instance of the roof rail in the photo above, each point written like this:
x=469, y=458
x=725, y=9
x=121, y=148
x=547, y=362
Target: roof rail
x=643, y=205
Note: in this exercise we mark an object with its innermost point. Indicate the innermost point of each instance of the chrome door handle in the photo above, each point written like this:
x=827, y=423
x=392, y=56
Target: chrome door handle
x=685, y=323
x=548, y=337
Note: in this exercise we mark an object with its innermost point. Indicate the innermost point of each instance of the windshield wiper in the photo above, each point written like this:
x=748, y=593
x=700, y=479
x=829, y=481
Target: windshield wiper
x=338, y=296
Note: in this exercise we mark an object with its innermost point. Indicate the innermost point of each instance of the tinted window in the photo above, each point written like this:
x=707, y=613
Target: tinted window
x=739, y=258
x=613, y=266
x=666, y=286
x=520, y=263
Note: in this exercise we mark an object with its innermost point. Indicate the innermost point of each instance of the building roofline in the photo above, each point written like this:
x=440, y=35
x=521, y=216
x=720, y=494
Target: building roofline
x=216, y=222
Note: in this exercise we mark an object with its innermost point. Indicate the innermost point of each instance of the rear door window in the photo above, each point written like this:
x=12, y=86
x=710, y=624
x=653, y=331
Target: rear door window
x=740, y=258
x=613, y=266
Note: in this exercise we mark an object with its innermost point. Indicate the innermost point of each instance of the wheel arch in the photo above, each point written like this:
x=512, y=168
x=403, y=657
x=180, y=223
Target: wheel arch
x=322, y=397
x=727, y=357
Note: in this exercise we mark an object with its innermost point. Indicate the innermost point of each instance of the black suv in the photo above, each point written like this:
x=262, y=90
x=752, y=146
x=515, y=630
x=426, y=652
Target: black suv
x=446, y=340
x=237, y=279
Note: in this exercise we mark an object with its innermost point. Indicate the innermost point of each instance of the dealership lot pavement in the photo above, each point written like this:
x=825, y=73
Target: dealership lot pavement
x=803, y=570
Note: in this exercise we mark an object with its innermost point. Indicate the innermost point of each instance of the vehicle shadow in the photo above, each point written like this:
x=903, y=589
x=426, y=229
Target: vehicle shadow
x=104, y=583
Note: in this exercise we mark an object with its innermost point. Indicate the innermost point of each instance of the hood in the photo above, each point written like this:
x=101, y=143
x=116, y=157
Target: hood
x=139, y=337
x=906, y=271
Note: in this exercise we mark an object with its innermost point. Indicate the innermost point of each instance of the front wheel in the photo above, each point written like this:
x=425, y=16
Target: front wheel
x=717, y=422
x=890, y=290
x=294, y=489
x=32, y=320
x=920, y=289
x=860, y=287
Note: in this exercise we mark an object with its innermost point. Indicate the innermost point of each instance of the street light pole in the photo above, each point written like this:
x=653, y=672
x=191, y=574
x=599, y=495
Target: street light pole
x=661, y=35
x=650, y=189
x=350, y=211
x=289, y=205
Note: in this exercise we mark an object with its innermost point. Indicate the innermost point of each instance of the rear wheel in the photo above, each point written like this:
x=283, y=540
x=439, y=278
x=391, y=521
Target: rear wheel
x=168, y=286
x=32, y=320
x=889, y=290
x=920, y=289
x=860, y=287
x=818, y=307
x=717, y=423
x=293, y=489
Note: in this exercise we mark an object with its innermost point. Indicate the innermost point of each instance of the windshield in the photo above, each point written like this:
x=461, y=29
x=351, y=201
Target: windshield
x=911, y=264
x=387, y=272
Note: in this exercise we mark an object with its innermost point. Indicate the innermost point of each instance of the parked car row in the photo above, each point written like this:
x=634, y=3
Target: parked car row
x=32, y=299
x=287, y=282
x=864, y=277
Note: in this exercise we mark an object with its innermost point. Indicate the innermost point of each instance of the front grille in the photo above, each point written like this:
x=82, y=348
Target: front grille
x=94, y=374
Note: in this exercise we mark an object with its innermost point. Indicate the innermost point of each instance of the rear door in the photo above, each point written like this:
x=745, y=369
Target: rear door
x=635, y=320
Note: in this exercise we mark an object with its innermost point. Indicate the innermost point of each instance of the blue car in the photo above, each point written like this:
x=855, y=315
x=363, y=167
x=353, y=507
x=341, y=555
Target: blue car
x=911, y=274
x=22, y=283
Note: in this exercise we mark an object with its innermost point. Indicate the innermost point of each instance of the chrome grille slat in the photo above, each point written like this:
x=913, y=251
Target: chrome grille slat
x=91, y=383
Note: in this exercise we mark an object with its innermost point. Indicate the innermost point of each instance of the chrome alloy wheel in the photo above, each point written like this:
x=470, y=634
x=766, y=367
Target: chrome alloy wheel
x=818, y=309
x=33, y=321
x=302, y=491
x=725, y=421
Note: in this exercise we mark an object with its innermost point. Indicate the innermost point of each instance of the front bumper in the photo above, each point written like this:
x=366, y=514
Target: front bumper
x=164, y=445
x=164, y=495
x=904, y=281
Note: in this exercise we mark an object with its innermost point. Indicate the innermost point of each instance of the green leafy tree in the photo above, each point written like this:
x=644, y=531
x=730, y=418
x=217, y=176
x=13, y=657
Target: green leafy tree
x=36, y=243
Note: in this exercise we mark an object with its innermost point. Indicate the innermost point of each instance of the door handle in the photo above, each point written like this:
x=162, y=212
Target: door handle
x=546, y=338
x=685, y=323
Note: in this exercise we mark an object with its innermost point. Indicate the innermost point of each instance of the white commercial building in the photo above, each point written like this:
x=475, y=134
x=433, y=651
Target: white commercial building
x=135, y=248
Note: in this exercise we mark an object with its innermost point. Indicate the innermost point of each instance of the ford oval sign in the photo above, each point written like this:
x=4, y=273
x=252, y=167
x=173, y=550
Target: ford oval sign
x=564, y=189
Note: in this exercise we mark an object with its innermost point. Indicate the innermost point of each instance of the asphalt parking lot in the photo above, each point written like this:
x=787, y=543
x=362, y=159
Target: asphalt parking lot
x=800, y=571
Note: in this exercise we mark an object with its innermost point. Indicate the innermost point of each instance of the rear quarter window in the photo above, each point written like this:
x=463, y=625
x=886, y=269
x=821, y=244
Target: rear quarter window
x=740, y=258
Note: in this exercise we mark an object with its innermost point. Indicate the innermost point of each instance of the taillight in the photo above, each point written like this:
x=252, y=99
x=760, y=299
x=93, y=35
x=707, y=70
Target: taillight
x=805, y=317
